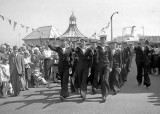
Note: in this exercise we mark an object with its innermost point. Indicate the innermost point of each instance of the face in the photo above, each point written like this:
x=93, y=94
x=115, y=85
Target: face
x=3, y=48
x=83, y=43
x=46, y=46
x=15, y=51
x=114, y=45
x=74, y=44
x=26, y=54
x=35, y=51
x=103, y=40
x=94, y=45
x=64, y=43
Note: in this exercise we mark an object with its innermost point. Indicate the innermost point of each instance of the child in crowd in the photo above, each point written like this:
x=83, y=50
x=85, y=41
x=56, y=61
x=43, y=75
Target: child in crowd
x=4, y=75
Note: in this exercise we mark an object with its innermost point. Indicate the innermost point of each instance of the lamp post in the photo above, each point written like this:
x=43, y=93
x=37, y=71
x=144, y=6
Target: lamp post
x=111, y=25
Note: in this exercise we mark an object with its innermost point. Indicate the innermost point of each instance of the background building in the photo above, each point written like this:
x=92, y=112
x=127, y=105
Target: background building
x=41, y=35
x=72, y=33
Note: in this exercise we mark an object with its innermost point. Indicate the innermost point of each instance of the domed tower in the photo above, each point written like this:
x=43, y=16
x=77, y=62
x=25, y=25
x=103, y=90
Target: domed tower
x=72, y=33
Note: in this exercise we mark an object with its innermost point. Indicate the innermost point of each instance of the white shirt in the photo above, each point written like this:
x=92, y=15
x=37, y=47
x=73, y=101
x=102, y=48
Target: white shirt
x=47, y=53
x=156, y=51
x=64, y=49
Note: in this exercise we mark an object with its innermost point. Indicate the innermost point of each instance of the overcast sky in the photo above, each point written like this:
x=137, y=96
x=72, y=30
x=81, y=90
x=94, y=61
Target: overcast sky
x=92, y=16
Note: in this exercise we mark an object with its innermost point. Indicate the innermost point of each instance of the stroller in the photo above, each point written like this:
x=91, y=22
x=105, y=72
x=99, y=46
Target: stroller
x=38, y=78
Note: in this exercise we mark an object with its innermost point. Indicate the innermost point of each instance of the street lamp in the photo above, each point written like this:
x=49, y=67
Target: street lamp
x=111, y=26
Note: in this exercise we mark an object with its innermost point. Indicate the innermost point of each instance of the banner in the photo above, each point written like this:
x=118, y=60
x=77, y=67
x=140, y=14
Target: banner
x=9, y=21
x=2, y=17
x=27, y=29
x=14, y=26
x=22, y=26
x=107, y=25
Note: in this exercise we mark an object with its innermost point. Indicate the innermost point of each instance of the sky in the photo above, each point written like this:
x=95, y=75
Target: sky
x=92, y=16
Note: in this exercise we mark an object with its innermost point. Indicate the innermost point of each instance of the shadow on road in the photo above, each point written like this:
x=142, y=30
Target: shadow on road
x=131, y=87
x=47, y=96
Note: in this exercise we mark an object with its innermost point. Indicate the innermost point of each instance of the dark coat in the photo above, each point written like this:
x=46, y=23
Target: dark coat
x=85, y=58
x=105, y=56
x=65, y=58
x=19, y=63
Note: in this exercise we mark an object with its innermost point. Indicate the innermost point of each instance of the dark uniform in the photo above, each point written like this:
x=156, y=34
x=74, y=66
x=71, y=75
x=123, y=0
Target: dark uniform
x=124, y=61
x=84, y=64
x=105, y=60
x=142, y=61
x=93, y=78
x=128, y=57
x=64, y=65
x=115, y=74
x=74, y=81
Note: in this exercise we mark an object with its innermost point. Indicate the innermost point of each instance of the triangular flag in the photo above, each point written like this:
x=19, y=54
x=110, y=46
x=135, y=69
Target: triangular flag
x=2, y=17
x=9, y=21
x=22, y=26
x=14, y=26
x=103, y=29
x=27, y=29
x=107, y=25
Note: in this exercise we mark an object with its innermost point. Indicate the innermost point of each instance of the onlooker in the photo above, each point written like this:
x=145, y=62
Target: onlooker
x=27, y=63
x=4, y=74
x=47, y=55
x=17, y=70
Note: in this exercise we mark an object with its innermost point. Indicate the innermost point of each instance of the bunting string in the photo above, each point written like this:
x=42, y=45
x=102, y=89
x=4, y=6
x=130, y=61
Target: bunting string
x=102, y=31
x=22, y=25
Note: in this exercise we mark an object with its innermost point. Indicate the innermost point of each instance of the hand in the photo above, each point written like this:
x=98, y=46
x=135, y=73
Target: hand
x=70, y=70
x=118, y=69
x=110, y=69
x=89, y=72
x=23, y=74
x=31, y=63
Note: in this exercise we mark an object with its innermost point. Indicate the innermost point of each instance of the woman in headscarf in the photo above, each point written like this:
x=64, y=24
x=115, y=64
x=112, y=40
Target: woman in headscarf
x=27, y=63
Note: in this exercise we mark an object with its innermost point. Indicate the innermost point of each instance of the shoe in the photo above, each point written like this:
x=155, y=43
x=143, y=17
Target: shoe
x=83, y=98
x=114, y=92
x=22, y=89
x=62, y=98
x=147, y=85
x=76, y=91
x=66, y=95
x=15, y=95
x=94, y=91
x=4, y=96
x=103, y=99
x=56, y=81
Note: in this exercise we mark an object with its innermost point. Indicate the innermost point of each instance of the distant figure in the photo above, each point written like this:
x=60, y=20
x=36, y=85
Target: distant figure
x=143, y=62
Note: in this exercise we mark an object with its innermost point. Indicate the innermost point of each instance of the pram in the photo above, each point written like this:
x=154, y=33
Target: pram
x=38, y=78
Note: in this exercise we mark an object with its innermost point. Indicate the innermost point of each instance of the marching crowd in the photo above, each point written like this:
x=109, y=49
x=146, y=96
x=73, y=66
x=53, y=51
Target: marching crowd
x=104, y=65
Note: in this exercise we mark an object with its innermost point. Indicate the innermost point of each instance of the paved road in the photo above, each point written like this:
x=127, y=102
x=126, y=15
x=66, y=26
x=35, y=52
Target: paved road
x=132, y=99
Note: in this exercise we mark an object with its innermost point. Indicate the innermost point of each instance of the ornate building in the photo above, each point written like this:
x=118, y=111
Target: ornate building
x=72, y=33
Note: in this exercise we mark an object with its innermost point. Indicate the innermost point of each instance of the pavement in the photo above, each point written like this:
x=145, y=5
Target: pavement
x=131, y=99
